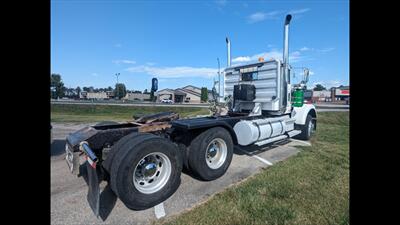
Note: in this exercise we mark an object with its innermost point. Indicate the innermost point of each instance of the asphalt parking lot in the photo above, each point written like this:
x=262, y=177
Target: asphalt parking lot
x=68, y=192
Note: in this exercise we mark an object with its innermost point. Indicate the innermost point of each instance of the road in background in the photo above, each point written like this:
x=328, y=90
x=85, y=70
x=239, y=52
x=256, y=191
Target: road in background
x=320, y=107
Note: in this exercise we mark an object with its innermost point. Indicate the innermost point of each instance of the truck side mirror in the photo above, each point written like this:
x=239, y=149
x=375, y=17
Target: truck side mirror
x=154, y=84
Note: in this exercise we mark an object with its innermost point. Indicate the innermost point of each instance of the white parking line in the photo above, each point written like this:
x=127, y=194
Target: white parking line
x=258, y=157
x=159, y=210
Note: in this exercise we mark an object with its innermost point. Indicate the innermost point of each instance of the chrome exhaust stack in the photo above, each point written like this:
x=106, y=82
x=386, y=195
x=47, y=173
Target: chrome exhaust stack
x=228, y=45
x=286, y=40
x=284, y=102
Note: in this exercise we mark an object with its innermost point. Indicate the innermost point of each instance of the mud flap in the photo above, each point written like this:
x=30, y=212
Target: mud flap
x=93, y=195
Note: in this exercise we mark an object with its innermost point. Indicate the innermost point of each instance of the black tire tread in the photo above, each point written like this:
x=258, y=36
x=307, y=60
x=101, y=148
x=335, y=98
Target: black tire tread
x=196, y=160
x=139, y=144
x=120, y=152
x=304, y=135
x=114, y=149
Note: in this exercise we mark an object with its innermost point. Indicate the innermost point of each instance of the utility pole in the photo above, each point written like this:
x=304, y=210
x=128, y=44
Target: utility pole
x=219, y=81
x=116, y=85
x=117, y=75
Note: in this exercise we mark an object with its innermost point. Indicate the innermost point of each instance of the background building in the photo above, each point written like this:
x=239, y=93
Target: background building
x=341, y=93
x=321, y=96
x=187, y=94
x=136, y=96
x=96, y=95
x=334, y=94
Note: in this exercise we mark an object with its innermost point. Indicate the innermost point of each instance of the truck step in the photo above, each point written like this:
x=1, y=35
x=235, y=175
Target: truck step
x=267, y=141
x=294, y=133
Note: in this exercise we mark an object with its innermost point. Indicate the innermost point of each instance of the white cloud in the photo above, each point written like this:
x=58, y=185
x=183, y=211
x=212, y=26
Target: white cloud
x=118, y=45
x=260, y=16
x=175, y=72
x=241, y=59
x=221, y=2
x=295, y=54
x=256, y=17
x=124, y=61
x=326, y=49
x=275, y=54
x=329, y=83
x=304, y=49
x=298, y=11
x=95, y=74
x=323, y=50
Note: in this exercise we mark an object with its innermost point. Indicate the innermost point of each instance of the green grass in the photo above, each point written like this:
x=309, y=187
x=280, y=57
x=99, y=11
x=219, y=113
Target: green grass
x=96, y=113
x=309, y=188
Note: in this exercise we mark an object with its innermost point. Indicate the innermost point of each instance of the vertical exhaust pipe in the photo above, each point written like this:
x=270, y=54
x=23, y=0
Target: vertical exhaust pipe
x=285, y=76
x=286, y=40
x=228, y=45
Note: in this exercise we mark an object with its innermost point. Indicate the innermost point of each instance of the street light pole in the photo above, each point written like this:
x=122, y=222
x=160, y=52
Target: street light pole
x=116, y=87
x=219, y=81
x=117, y=75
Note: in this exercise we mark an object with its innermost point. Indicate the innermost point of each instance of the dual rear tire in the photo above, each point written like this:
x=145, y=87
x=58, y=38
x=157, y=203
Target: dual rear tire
x=145, y=170
x=210, y=153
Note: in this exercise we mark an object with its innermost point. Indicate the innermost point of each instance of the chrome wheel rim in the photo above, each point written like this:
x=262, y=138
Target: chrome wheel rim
x=216, y=153
x=310, y=128
x=152, y=173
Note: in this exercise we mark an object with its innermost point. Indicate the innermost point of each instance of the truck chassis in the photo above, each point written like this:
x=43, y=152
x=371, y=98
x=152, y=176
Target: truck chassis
x=169, y=141
x=142, y=159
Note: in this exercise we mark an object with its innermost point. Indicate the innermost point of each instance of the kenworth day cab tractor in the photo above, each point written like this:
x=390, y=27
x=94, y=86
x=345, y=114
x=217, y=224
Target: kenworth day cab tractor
x=142, y=159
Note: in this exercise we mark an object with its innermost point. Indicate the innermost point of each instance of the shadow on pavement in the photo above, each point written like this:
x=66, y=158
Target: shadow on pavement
x=107, y=197
x=254, y=149
x=191, y=174
x=57, y=147
x=241, y=150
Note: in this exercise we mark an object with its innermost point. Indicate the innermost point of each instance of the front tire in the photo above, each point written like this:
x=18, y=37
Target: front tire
x=307, y=129
x=210, y=153
x=145, y=171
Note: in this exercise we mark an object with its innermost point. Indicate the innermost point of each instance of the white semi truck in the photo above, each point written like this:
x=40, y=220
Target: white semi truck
x=142, y=159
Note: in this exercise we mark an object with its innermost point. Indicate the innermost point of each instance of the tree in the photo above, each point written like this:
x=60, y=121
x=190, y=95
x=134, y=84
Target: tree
x=152, y=97
x=78, y=91
x=109, y=88
x=145, y=91
x=120, y=90
x=204, y=94
x=319, y=87
x=57, y=85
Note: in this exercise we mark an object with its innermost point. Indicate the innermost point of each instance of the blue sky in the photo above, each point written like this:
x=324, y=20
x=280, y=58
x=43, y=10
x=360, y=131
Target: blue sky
x=179, y=41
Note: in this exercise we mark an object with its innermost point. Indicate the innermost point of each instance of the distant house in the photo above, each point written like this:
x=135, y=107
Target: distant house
x=187, y=94
x=96, y=95
x=136, y=96
x=340, y=93
x=70, y=93
x=321, y=96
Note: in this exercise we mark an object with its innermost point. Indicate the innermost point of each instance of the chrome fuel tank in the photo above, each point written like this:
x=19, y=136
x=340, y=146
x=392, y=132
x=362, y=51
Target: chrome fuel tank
x=251, y=131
